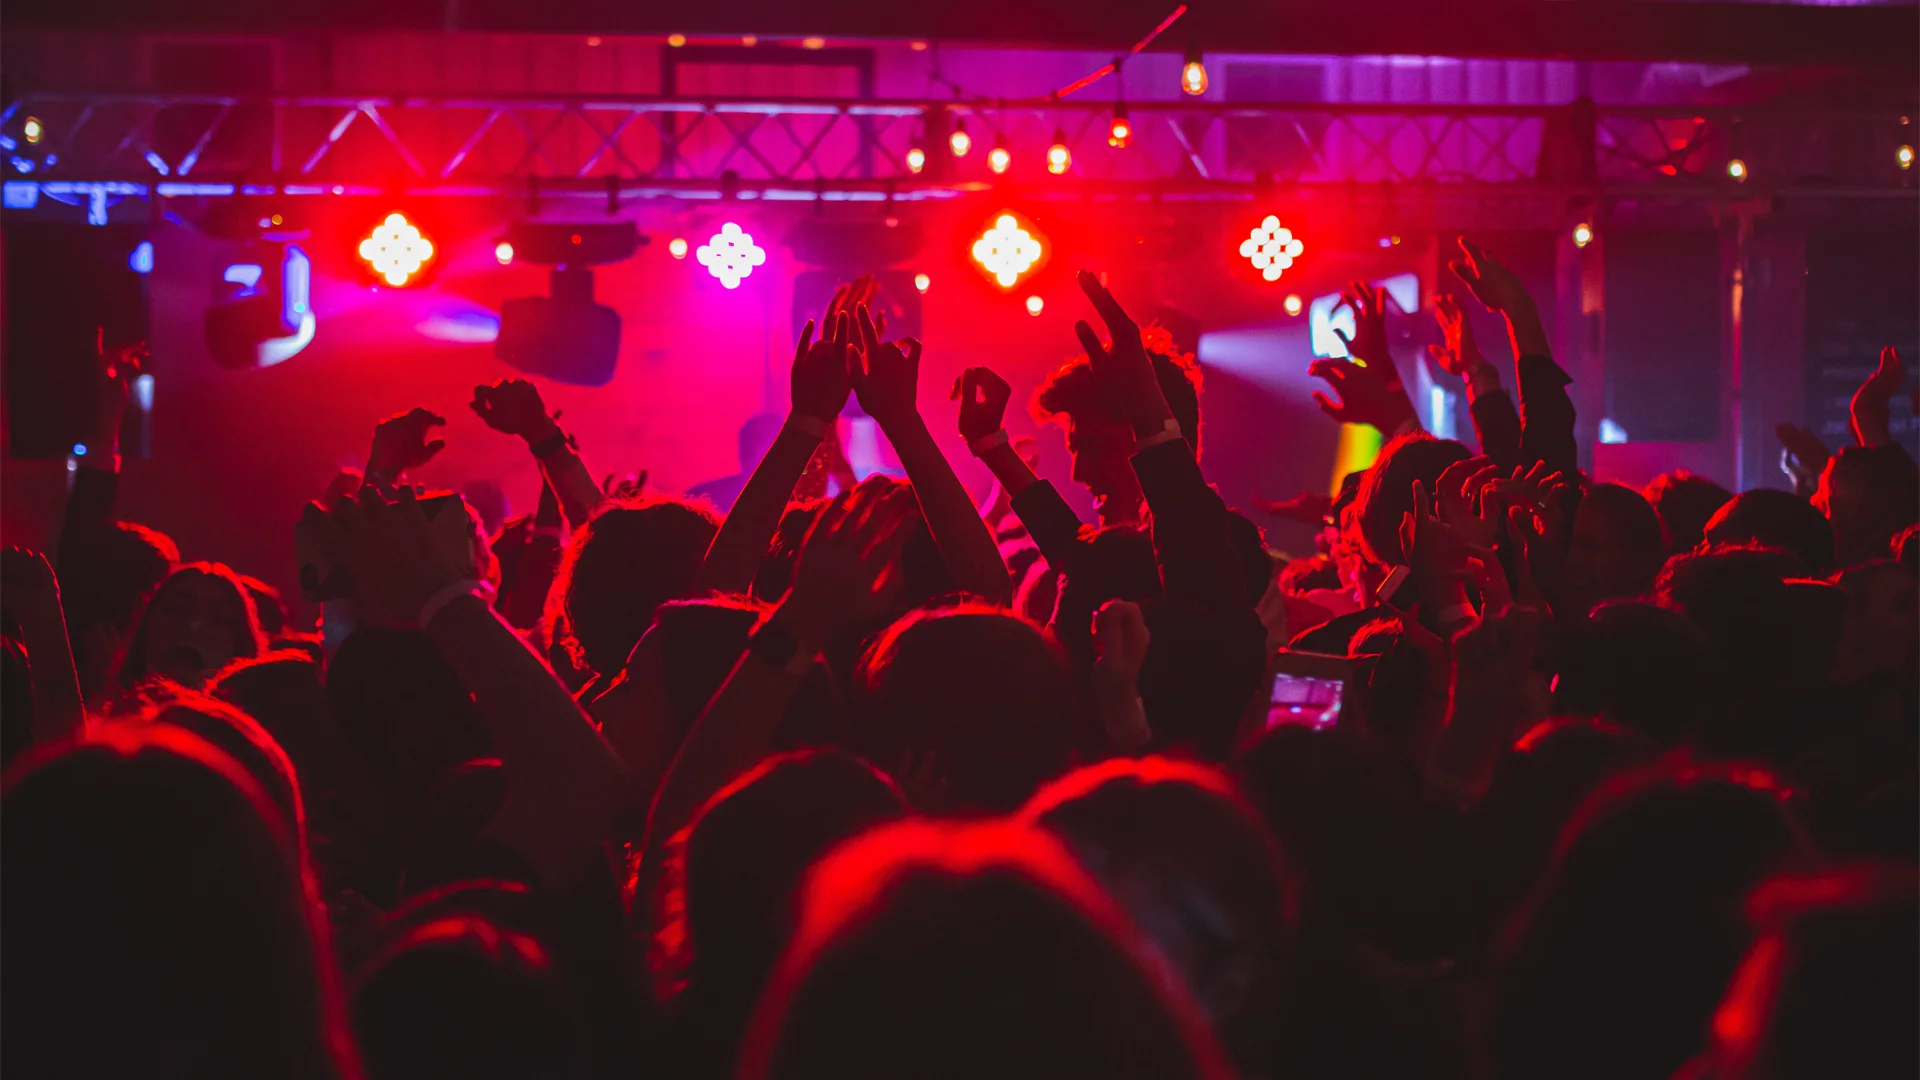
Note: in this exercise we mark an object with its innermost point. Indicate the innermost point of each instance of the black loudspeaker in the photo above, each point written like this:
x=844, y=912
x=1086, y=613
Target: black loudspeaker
x=1662, y=341
x=68, y=287
x=566, y=336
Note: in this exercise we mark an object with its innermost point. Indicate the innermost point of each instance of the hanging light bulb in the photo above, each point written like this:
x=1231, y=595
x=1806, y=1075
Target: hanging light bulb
x=1737, y=170
x=1059, y=158
x=1120, y=132
x=1193, y=74
x=916, y=157
x=1582, y=235
x=999, y=157
x=960, y=142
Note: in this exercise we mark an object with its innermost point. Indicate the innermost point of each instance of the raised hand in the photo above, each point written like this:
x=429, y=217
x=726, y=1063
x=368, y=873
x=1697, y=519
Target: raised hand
x=513, y=407
x=983, y=398
x=820, y=369
x=109, y=377
x=846, y=573
x=1492, y=283
x=885, y=376
x=1122, y=364
x=1462, y=503
x=392, y=556
x=1871, y=409
x=1461, y=354
x=1803, y=456
x=400, y=443
x=1371, y=395
x=1441, y=558
x=1369, y=340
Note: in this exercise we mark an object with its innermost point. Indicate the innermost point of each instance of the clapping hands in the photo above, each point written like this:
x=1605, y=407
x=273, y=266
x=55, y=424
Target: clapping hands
x=885, y=376
x=819, y=381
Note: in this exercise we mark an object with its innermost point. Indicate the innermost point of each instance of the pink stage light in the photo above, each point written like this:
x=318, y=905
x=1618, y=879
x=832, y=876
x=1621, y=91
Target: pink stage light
x=731, y=255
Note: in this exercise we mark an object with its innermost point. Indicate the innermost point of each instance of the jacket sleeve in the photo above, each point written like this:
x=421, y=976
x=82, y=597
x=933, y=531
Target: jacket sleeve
x=1191, y=542
x=1497, y=425
x=1546, y=416
x=1054, y=526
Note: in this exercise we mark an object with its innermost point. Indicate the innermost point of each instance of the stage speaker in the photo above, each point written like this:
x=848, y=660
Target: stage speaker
x=68, y=288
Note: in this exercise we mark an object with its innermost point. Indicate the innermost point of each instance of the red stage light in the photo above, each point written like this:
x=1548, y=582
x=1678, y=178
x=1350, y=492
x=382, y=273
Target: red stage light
x=396, y=250
x=1007, y=251
x=1120, y=132
x=1270, y=248
x=1059, y=158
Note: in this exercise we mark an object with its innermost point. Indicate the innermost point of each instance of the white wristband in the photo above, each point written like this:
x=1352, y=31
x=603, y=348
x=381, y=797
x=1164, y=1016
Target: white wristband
x=1457, y=615
x=811, y=426
x=448, y=594
x=988, y=442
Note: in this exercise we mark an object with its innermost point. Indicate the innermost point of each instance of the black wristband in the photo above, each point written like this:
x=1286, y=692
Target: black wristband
x=552, y=444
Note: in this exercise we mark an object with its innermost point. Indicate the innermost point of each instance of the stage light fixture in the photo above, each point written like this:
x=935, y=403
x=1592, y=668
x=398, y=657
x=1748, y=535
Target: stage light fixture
x=999, y=157
x=1271, y=248
x=1737, y=170
x=1059, y=158
x=1007, y=251
x=1120, y=131
x=262, y=312
x=960, y=142
x=677, y=247
x=1193, y=74
x=565, y=336
x=396, y=250
x=1035, y=305
x=1904, y=157
x=731, y=255
x=1582, y=235
x=503, y=253
x=1293, y=303
x=921, y=282
x=32, y=129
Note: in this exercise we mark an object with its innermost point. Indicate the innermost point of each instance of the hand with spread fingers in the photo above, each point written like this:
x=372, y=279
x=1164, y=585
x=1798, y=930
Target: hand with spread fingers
x=1369, y=340
x=1122, y=364
x=1369, y=394
x=400, y=443
x=391, y=554
x=886, y=376
x=820, y=369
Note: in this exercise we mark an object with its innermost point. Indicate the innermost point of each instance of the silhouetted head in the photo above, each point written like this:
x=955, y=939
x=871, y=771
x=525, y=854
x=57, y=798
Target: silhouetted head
x=464, y=996
x=1639, y=665
x=1776, y=519
x=956, y=951
x=1195, y=868
x=1615, y=551
x=1685, y=503
x=1827, y=989
x=1869, y=494
x=17, y=717
x=631, y=558
x=1738, y=597
x=198, y=621
x=158, y=920
x=1098, y=434
x=107, y=572
x=736, y=870
x=981, y=693
x=1385, y=494
x=1882, y=628
x=1614, y=964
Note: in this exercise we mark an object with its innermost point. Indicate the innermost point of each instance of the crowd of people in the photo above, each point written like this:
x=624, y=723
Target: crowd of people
x=869, y=778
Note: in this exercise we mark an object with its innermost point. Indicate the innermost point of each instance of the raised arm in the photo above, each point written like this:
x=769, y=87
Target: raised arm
x=523, y=598
x=886, y=376
x=842, y=578
x=1495, y=422
x=513, y=407
x=1055, y=529
x=1191, y=543
x=564, y=781
x=819, y=392
x=1871, y=411
x=96, y=479
x=1546, y=412
x=33, y=596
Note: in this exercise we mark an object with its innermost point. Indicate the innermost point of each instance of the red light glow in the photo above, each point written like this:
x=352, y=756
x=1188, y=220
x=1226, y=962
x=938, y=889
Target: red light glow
x=396, y=250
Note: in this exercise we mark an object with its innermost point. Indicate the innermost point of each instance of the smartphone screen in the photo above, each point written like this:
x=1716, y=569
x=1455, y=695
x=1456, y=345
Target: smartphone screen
x=1308, y=689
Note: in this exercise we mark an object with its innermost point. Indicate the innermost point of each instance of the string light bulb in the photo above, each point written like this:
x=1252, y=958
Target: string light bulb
x=999, y=157
x=1904, y=157
x=1059, y=158
x=1193, y=73
x=32, y=129
x=1120, y=132
x=916, y=158
x=1293, y=303
x=960, y=142
x=1737, y=170
x=921, y=281
x=1582, y=235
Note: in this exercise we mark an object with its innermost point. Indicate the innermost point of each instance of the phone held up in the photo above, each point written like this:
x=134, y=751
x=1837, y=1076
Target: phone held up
x=1309, y=689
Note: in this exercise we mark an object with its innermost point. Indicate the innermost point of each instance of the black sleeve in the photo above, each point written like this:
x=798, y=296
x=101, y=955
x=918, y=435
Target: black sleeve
x=89, y=508
x=1546, y=416
x=1497, y=425
x=1191, y=541
x=1054, y=526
